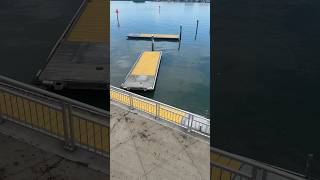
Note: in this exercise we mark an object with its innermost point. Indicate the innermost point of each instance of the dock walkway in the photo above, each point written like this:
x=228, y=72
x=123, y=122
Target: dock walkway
x=80, y=59
x=143, y=74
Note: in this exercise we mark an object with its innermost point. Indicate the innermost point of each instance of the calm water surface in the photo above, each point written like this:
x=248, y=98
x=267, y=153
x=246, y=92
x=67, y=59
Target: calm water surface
x=28, y=32
x=184, y=75
x=266, y=95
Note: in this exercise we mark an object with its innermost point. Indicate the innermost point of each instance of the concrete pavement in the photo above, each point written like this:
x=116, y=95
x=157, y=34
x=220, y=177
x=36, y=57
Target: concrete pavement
x=142, y=149
x=21, y=161
x=29, y=155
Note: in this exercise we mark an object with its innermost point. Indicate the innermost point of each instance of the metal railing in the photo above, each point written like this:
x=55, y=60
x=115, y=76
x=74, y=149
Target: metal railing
x=190, y=121
x=75, y=123
x=228, y=166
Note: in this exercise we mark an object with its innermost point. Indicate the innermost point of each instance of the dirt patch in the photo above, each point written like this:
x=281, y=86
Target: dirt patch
x=143, y=135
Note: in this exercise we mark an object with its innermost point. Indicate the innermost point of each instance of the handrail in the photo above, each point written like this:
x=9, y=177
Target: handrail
x=78, y=124
x=34, y=90
x=190, y=121
x=256, y=166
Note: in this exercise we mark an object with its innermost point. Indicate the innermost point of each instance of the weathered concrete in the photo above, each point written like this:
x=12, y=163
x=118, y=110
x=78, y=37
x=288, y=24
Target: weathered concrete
x=21, y=161
x=146, y=150
x=31, y=155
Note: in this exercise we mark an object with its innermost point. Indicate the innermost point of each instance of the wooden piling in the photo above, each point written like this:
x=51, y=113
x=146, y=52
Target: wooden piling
x=180, y=32
x=197, y=27
x=152, y=45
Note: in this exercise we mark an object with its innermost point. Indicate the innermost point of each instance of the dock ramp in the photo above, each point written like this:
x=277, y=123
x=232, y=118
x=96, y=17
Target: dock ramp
x=79, y=59
x=143, y=74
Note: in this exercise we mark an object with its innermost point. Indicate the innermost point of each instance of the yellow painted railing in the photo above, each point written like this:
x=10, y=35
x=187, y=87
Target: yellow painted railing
x=228, y=166
x=75, y=123
x=190, y=121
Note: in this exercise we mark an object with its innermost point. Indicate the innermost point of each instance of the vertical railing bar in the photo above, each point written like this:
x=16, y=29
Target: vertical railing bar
x=101, y=138
x=31, y=119
x=87, y=134
x=18, y=108
x=57, y=125
x=5, y=104
x=94, y=137
x=71, y=126
x=80, y=131
x=41, y=114
x=67, y=123
x=44, y=121
x=24, y=109
x=190, y=119
x=131, y=102
x=264, y=174
x=35, y=107
x=158, y=110
x=254, y=173
x=12, y=113
x=50, y=120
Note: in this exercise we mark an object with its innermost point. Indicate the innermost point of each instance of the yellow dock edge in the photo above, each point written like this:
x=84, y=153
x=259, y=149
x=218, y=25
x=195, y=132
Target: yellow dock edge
x=146, y=69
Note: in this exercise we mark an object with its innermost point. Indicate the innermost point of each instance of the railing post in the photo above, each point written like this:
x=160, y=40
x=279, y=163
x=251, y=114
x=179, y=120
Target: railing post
x=190, y=122
x=254, y=173
x=68, y=128
x=308, y=165
x=264, y=174
x=157, y=111
x=131, y=101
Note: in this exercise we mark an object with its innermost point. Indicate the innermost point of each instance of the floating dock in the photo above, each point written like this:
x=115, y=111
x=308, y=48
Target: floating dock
x=143, y=74
x=175, y=37
x=80, y=58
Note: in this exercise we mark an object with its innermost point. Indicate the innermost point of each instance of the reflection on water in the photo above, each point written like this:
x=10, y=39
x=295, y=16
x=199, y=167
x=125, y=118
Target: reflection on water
x=184, y=74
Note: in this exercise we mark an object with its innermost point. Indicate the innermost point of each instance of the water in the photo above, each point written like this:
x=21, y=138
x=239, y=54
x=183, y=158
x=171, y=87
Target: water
x=267, y=90
x=28, y=32
x=266, y=94
x=184, y=75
